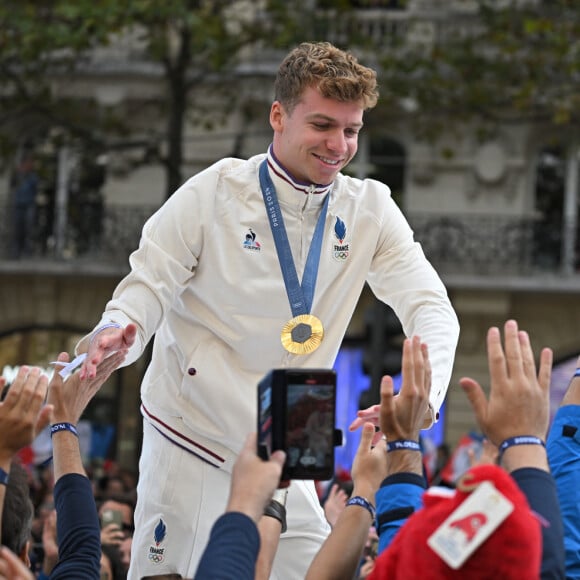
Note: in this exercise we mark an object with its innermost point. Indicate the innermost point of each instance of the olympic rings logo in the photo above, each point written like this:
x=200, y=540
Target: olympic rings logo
x=156, y=558
x=341, y=255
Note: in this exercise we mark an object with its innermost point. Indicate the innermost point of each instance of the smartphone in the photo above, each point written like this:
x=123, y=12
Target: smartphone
x=296, y=413
x=112, y=517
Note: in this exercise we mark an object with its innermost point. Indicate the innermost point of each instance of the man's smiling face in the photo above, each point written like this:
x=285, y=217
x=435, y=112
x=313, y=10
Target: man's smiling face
x=318, y=138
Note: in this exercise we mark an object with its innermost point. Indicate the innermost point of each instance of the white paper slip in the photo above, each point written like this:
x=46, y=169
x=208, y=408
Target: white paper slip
x=470, y=524
x=70, y=367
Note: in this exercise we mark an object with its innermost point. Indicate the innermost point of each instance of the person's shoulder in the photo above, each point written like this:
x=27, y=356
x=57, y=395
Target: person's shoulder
x=369, y=199
x=223, y=180
x=214, y=173
x=239, y=175
x=233, y=163
x=232, y=167
x=223, y=165
x=364, y=189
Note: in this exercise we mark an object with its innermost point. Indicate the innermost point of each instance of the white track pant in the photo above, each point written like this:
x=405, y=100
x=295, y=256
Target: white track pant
x=187, y=495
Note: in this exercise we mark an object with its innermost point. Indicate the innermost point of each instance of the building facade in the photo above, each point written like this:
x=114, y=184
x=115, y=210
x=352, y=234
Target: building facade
x=497, y=216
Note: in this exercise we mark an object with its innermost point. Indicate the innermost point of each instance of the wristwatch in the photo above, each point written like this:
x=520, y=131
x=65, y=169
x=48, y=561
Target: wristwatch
x=277, y=508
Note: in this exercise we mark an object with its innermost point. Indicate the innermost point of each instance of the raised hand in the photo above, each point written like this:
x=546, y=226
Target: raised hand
x=70, y=398
x=402, y=415
x=112, y=534
x=22, y=413
x=254, y=480
x=335, y=503
x=12, y=567
x=369, y=466
x=519, y=402
x=417, y=372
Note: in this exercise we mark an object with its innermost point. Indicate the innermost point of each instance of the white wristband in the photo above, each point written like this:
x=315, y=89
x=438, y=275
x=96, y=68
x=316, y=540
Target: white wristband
x=101, y=328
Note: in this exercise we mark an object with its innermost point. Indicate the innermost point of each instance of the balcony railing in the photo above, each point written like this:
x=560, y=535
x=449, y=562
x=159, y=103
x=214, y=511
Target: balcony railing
x=468, y=245
x=498, y=245
x=387, y=29
x=81, y=232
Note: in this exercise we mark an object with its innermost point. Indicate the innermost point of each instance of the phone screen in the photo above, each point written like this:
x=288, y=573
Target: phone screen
x=265, y=419
x=310, y=415
x=111, y=517
x=296, y=412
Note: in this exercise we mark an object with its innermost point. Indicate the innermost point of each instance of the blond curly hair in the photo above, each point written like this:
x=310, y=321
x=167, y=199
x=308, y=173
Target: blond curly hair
x=337, y=74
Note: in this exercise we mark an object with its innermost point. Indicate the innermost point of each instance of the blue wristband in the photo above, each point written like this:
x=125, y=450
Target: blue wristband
x=519, y=440
x=406, y=444
x=4, y=477
x=63, y=427
x=362, y=502
x=577, y=373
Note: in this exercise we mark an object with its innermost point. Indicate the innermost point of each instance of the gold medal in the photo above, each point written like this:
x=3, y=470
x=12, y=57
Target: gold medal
x=302, y=334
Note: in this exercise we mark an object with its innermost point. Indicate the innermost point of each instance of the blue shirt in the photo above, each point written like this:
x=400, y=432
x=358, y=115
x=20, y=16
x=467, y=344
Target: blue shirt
x=78, y=530
x=563, y=447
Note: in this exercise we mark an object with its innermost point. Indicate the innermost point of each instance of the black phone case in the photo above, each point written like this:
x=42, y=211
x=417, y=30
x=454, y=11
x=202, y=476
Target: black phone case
x=282, y=421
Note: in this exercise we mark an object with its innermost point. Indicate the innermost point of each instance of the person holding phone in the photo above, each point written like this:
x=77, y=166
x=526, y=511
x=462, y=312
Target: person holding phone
x=253, y=265
x=111, y=527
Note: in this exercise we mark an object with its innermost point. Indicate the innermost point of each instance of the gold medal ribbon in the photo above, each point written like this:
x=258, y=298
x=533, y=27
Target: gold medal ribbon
x=303, y=333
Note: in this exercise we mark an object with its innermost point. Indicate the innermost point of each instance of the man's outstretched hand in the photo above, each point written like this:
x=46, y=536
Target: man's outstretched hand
x=104, y=343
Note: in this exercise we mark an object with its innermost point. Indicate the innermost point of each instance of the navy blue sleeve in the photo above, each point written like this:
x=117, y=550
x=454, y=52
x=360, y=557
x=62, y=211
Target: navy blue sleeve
x=78, y=530
x=540, y=489
x=232, y=549
x=398, y=497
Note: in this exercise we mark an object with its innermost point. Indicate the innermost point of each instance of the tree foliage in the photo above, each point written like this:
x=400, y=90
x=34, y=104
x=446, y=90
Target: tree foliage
x=511, y=61
x=189, y=41
x=40, y=43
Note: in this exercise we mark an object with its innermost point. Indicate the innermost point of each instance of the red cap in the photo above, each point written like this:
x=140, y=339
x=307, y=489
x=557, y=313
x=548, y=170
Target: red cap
x=513, y=551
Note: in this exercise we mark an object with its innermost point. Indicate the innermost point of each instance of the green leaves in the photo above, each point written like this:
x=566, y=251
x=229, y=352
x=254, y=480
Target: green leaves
x=519, y=61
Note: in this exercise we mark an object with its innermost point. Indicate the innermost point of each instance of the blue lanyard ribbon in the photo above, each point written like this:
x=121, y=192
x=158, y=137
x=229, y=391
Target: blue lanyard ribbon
x=300, y=296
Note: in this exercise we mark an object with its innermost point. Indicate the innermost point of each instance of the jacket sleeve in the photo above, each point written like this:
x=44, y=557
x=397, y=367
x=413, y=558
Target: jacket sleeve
x=540, y=490
x=78, y=529
x=232, y=549
x=402, y=277
x=563, y=447
x=398, y=497
x=162, y=265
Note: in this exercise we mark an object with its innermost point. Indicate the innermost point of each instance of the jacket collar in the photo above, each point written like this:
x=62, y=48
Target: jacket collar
x=287, y=187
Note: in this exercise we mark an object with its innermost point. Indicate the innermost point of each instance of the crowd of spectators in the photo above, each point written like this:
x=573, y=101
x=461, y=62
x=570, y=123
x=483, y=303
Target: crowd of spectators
x=512, y=514
x=114, y=491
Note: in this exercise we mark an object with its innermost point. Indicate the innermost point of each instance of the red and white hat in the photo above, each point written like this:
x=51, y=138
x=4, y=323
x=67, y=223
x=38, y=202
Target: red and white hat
x=513, y=551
